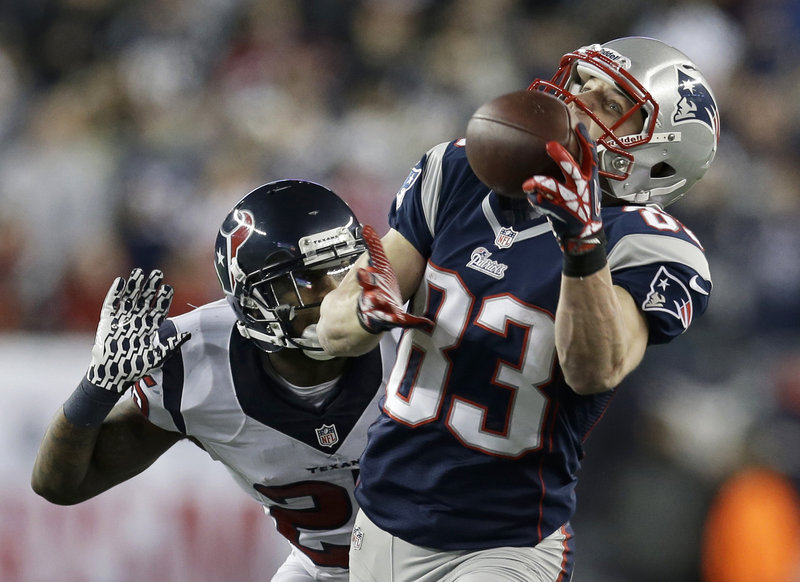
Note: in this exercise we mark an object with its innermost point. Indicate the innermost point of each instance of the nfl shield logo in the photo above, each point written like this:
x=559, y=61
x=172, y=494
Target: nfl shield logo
x=357, y=538
x=505, y=238
x=326, y=435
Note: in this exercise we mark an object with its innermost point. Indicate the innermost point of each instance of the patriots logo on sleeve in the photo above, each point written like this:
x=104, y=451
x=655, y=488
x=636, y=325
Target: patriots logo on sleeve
x=411, y=179
x=670, y=295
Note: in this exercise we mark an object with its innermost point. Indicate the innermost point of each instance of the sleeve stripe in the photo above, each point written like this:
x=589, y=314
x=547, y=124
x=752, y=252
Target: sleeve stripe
x=635, y=250
x=431, y=185
x=172, y=379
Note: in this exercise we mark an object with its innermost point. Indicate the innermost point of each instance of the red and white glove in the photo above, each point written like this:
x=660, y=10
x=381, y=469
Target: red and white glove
x=380, y=305
x=573, y=207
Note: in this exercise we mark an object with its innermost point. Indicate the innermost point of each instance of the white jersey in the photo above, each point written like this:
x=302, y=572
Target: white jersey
x=300, y=463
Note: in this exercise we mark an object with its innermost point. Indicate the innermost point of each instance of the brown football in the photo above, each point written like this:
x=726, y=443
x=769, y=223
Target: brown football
x=506, y=139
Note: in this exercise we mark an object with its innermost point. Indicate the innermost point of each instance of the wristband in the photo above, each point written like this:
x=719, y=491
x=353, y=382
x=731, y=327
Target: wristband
x=364, y=321
x=587, y=263
x=89, y=405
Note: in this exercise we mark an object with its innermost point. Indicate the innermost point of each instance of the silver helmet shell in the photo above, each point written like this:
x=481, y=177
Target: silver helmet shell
x=680, y=132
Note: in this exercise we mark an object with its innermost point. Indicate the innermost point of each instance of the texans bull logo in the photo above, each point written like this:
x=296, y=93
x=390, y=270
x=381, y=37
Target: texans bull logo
x=235, y=232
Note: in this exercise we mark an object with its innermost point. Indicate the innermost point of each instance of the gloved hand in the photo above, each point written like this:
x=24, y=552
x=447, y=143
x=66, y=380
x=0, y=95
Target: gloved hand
x=127, y=345
x=380, y=305
x=573, y=207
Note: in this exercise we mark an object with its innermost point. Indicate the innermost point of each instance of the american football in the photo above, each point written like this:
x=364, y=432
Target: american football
x=506, y=139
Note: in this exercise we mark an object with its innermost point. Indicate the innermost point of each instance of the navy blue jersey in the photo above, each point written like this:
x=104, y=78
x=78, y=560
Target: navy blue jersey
x=479, y=438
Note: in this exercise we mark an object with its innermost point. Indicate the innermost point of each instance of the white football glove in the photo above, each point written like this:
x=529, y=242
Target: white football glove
x=127, y=345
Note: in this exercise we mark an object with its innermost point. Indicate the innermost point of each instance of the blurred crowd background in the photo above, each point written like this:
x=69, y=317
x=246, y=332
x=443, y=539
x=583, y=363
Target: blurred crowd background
x=128, y=128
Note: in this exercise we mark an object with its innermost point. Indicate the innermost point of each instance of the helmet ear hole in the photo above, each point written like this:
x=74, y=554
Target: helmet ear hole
x=662, y=170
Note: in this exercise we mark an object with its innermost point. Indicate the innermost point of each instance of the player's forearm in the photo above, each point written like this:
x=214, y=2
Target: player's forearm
x=600, y=337
x=76, y=463
x=63, y=462
x=340, y=333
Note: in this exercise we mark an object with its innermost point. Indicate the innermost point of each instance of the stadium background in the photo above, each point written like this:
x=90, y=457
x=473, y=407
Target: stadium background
x=129, y=128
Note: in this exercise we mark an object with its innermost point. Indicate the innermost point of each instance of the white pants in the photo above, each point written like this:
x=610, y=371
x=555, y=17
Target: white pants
x=298, y=569
x=377, y=556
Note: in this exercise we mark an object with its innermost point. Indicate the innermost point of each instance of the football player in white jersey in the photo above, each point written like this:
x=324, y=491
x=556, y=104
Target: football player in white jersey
x=469, y=473
x=243, y=377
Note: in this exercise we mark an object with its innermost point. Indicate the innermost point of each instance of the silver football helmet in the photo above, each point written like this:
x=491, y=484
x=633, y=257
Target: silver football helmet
x=680, y=133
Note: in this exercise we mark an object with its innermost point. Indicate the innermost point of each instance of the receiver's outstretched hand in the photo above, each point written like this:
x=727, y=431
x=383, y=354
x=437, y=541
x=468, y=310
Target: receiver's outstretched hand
x=380, y=306
x=573, y=207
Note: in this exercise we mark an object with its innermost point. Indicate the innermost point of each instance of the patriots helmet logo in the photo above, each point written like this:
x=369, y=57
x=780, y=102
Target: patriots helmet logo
x=670, y=295
x=695, y=103
x=234, y=232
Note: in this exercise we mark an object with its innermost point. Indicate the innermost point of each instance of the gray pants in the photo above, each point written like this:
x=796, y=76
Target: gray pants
x=377, y=556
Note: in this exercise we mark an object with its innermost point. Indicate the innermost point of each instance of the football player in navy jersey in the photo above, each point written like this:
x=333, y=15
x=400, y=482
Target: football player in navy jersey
x=514, y=339
x=243, y=377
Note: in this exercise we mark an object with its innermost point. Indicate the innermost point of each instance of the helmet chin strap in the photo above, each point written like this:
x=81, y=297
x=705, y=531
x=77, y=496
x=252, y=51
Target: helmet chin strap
x=285, y=313
x=308, y=341
x=262, y=341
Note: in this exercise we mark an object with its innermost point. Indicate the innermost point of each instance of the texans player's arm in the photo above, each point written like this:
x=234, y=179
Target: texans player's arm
x=76, y=463
x=340, y=332
x=601, y=334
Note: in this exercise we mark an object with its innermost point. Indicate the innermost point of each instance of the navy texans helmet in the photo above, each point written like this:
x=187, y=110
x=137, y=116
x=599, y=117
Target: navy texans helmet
x=680, y=133
x=276, y=236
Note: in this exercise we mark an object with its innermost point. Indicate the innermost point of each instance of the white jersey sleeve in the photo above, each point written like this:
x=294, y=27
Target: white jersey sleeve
x=301, y=463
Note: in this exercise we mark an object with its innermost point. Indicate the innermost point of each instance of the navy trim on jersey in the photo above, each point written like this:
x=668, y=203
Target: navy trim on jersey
x=172, y=378
x=271, y=404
